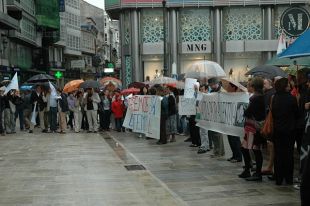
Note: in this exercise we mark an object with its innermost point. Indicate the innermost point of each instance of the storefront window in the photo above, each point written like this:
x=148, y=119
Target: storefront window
x=195, y=25
x=152, y=26
x=242, y=23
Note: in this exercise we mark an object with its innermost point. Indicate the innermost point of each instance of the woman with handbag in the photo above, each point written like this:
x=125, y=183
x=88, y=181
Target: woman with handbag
x=284, y=111
x=253, y=140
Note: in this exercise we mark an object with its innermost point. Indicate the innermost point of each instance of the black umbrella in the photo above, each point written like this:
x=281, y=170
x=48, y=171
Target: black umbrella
x=41, y=78
x=267, y=71
x=90, y=84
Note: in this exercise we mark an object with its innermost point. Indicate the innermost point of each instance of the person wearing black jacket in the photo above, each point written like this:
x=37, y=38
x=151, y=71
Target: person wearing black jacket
x=171, y=122
x=36, y=98
x=63, y=108
x=9, y=112
x=253, y=140
x=284, y=113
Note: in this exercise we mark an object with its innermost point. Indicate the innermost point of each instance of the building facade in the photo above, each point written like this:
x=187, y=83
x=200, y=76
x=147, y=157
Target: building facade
x=237, y=34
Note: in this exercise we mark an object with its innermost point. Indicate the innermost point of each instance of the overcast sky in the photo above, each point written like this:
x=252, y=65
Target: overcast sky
x=98, y=3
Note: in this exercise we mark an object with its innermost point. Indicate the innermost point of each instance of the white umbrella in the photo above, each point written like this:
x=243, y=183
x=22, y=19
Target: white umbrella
x=226, y=81
x=205, y=69
x=163, y=80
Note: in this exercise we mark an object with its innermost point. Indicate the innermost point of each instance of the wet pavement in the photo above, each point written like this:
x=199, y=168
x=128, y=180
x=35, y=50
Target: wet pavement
x=122, y=169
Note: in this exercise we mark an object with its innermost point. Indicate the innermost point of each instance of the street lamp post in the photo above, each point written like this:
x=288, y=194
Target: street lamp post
x=165, y=40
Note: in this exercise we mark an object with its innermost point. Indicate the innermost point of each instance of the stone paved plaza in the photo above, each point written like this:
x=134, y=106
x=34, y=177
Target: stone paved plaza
x=89, y=169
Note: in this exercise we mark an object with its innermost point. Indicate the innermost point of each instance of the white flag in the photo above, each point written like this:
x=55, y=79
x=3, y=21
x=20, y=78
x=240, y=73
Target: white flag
x=13, y=84
x=281, y=44
x=34, y=114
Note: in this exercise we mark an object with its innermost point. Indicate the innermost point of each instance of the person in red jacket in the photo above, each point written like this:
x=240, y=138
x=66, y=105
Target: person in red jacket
x=118, y=109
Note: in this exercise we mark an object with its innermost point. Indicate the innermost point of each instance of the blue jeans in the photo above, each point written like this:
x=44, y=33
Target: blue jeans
x=20, y=114
x=183, y=128
x=53, y=118
x=118, y=124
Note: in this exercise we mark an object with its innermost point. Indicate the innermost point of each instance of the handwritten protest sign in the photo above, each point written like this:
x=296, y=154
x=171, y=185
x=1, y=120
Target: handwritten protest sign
x=143, y=115
x=223, y=112
x=189, y=90
x=187, y=106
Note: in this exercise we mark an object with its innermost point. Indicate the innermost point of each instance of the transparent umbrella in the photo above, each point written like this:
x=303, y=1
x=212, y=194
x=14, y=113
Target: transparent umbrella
x=205, y=69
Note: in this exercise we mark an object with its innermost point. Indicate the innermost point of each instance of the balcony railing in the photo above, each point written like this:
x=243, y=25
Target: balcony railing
x=114, y=4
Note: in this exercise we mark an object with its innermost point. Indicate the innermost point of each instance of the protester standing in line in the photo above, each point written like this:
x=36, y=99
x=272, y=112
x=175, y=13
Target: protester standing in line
x=253, y=140
x=74, y=103
x=20, y=110
x=193, y=129
x=234, y=141
x=216, y=137
x=27, y=109
x=269, y=91
x=118, y=111
x=205, y=144
x=2, y=89
x=284, y=112
x=53, y=112
x=63, y=109
x=38, y=103
x=106, y=102
x=171, y=122
x=91, y=100
x=163, y=115
x=9, y=112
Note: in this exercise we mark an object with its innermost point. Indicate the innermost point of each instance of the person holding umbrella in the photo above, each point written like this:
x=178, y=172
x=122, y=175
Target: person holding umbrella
x=91, y=101
x=37, y=102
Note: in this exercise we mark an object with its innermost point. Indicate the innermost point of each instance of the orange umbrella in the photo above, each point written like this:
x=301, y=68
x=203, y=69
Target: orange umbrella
x=106, y=80
x=73, y=85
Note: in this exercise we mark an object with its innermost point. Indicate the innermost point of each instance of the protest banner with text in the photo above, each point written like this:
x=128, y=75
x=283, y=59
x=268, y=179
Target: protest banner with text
x=223, y=112
x=187, y=106
x=143, y=115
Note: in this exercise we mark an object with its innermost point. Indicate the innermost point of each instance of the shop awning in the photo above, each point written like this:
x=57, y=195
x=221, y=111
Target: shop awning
x=275, y=61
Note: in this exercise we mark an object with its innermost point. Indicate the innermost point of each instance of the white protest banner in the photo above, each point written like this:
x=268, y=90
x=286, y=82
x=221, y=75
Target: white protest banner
x=187, y=106
x=13, y=84
x=143, y=115
x=34, y=114
x=223, y=112
x=189, y=90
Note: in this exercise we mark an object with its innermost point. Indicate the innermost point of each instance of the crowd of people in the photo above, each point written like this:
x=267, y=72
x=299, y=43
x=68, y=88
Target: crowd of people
x=91, y=110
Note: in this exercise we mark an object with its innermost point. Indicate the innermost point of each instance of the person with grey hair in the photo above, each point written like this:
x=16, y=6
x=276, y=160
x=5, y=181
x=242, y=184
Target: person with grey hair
x=216, y=137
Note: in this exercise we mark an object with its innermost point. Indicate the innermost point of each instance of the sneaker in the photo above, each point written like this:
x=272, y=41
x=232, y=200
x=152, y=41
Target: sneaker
x=201, y=151
x=255, y=177
x=193, y=145
x=188, y=140
x=245, y=174
x=30, y=131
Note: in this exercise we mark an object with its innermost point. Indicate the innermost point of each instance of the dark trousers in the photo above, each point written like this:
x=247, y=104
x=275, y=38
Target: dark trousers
x=284, y=156
x=163, y=133
x=235, y=145
x=53, y=118
x=106, y=118
x=71, y=117
x=248, y=162
x=84, y=125
x=1, y=122
x=118, y=124
x=305, y=184
x=194, y=131
x=20, y=114
x=298, y=135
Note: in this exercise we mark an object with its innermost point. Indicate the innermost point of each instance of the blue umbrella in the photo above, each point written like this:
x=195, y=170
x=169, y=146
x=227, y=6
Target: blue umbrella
x=300, y=48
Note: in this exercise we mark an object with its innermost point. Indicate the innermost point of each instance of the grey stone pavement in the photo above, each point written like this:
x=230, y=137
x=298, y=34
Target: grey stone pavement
x=89, y=169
